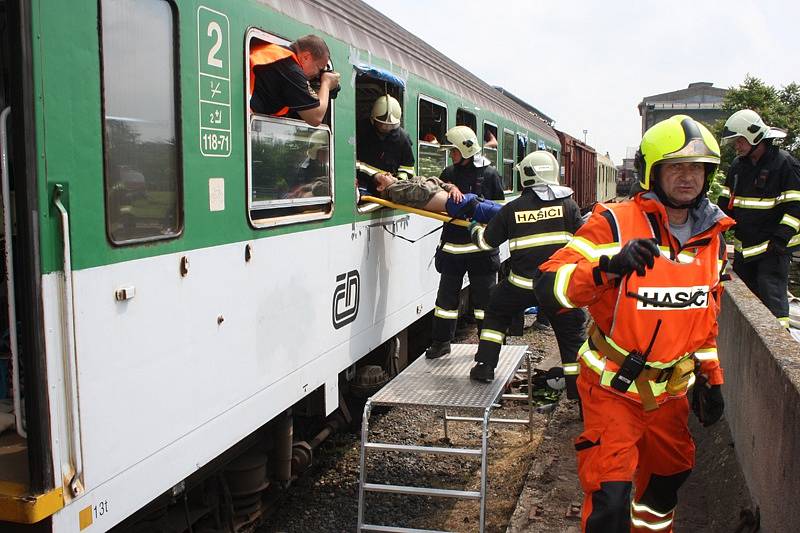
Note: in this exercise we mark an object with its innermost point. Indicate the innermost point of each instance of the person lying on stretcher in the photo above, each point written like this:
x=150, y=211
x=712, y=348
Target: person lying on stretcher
x=435, y=195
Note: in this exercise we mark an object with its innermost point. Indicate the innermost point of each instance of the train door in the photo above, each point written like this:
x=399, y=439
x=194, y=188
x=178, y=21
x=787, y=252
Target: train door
x=26, y=471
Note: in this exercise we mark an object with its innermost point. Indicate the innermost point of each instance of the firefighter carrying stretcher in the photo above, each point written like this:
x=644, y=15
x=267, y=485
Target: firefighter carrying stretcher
x=650, y=271
x=536, y=224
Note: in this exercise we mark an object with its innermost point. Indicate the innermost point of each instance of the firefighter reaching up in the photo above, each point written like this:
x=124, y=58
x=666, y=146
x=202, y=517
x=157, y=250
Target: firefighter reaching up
x=649, y=270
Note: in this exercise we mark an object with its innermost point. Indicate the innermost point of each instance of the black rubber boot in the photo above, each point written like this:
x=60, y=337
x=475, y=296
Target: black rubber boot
x=482, y=372
x=438, y=349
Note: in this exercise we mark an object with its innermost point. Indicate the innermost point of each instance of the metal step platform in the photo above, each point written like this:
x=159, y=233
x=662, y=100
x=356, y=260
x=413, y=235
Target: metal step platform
x=444, y=384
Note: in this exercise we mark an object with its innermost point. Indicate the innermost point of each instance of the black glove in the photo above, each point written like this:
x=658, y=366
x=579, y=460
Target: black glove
x=707, y=403
x=636, y=256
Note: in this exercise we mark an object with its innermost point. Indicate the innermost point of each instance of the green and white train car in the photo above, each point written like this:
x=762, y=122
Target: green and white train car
x=169, y=291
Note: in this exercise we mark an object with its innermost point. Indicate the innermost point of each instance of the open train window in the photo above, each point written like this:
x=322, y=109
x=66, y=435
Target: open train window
x=465, y=118
x=522, y=143
x=431, y=159
x=508, y=160
x=141, y=120
x=490, y=142
x=290, y=174
x=371, y=84
x=260, y=46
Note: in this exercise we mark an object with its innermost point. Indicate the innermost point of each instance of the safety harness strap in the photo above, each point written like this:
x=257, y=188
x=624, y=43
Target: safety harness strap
x=643, y=379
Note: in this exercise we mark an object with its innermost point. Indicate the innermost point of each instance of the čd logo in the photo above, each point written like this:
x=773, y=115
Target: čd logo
x=345, y=298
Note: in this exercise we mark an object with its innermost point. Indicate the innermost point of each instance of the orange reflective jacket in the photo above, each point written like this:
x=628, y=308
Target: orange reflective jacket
x=683, y=289
x=264, y=54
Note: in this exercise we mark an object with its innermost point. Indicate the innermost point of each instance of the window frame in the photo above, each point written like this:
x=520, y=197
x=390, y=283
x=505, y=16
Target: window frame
x=178, y=107
x=282, y=220
x=466, y=112
x=513, y=162
x=420, y=142
x=519, y=157
x=483, y=142
x=364, y=207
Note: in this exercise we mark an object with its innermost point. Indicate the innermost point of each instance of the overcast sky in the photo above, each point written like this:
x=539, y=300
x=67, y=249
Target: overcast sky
x=588, y=64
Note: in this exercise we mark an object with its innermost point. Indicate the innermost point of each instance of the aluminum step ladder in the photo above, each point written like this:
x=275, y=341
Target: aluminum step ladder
x=444, y=384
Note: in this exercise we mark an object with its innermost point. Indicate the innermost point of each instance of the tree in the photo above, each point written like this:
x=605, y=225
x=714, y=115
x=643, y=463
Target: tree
x=778, y=107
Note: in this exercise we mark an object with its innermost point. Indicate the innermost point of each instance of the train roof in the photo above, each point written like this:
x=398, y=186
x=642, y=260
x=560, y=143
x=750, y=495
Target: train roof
x=567, y=139
x=359, y=24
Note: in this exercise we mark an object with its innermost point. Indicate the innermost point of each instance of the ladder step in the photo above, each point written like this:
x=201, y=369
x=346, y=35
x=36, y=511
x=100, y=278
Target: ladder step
x=390, y=529
x=514, y=396
x=422, y=449
x=422, y=491
x=493, y=420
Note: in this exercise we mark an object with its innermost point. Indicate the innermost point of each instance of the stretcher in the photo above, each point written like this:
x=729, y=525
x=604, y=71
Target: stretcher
x=444, y=217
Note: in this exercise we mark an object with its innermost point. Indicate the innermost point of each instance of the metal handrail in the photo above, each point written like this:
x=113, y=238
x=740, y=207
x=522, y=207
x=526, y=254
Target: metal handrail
x=70, y=358
x=9, y=257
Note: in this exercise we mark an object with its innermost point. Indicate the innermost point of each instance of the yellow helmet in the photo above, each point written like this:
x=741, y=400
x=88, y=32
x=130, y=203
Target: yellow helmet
x=464, y=140
x=680, y=139
x=386, y=110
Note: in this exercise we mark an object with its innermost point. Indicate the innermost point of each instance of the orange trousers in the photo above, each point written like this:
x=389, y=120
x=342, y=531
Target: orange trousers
x=621, y=444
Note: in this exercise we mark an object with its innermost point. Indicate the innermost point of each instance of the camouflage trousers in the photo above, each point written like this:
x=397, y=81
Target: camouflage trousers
x=414, y=192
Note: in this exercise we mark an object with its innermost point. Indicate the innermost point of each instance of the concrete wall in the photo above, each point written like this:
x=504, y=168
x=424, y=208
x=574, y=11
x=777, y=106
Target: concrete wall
x=762, y=396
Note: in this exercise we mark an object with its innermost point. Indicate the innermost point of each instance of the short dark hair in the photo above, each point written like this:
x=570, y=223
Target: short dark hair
x=313, y=44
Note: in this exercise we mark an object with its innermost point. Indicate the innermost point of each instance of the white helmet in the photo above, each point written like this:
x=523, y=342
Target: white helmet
x=538, y=167
x=464, y=140
x=386, y=110
x=748, y=124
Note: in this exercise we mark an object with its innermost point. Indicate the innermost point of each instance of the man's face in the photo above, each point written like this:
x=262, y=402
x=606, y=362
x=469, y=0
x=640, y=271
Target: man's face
x=682, y=182
x=741, y=146
x=383, y=129
x=312, y=67
x=455, y=155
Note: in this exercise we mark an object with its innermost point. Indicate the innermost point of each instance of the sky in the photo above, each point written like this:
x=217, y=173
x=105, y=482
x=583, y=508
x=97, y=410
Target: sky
x=588, y=64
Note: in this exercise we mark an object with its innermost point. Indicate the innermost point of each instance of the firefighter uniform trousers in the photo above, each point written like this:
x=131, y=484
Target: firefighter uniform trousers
x=622, y=443
x=507, y=301
x=445, y=314
x=768, y=277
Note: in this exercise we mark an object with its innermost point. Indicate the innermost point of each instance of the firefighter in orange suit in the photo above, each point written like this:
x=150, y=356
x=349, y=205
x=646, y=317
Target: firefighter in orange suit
x=650, y=271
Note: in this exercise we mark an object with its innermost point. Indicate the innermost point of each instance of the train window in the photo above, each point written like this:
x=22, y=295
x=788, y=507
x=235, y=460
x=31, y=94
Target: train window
x=290, y=171
x=508, y=160
x=490, y=142
x=431, y=159
x=140, y=121
x=465, y=118
x=522, y=143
